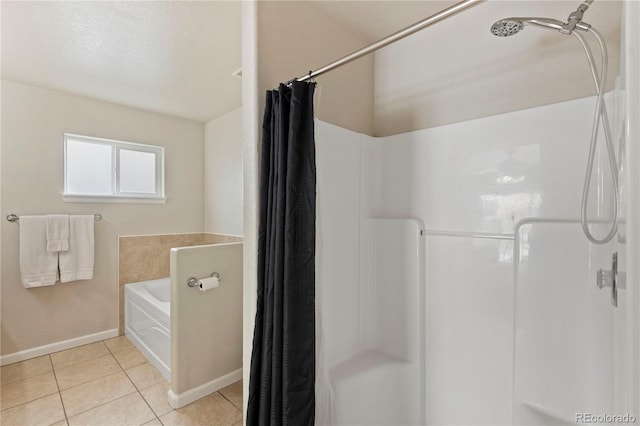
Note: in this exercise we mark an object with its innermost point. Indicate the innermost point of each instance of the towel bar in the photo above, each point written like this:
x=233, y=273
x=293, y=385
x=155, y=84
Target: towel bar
x=14, y=217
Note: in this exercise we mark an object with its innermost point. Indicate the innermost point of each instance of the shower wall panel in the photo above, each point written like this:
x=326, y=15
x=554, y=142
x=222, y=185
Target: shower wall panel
x=338, y=242
x=468, y=331
x=369, y=294
x=472, y=183
x=485, y=175
x=563, y=326
x=468, y=184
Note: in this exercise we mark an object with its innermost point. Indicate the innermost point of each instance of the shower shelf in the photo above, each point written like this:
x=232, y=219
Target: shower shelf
x=366, y=384
x=541, y=410
x=362, y=363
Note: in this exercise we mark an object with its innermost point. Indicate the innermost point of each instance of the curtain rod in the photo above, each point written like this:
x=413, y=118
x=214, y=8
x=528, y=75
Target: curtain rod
x=418, y=26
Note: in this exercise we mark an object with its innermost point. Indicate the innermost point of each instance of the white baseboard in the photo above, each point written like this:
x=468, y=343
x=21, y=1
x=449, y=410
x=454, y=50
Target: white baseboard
x=57, y=346
x=187, y=397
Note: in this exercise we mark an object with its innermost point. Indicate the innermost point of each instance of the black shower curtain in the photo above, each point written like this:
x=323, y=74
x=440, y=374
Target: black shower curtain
x=281, y=388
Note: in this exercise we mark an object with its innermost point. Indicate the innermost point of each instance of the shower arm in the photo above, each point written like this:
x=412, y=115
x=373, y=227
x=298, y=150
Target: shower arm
x=575, y=18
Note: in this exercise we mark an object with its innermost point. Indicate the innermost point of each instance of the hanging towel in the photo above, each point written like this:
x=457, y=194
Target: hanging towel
x=57, y=232
x=77, y=262
x=38, y=267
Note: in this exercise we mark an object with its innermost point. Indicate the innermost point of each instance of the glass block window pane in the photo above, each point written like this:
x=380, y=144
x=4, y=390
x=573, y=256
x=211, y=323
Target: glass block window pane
x=89, y=168
x=137, y=172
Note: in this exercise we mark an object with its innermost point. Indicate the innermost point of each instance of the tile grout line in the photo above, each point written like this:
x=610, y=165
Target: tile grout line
x=104, y=403
x=20, y=378
x=59, y=391
x=230, y=402
x=53, y=370
x=31, y=400
x=64, y=410
x=77, y=362
x=100, y=405
x=134, y=385
x=80, y=384
x=143, y=398
x=112, y=353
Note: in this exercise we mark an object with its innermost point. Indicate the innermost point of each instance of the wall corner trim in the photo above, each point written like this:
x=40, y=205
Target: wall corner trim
x=187, y=397
x=57, y=346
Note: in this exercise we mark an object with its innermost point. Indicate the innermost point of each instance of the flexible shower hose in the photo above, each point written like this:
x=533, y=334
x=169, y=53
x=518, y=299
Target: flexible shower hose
x=600, y=114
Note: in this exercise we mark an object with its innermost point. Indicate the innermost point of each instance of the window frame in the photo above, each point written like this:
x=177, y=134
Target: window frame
x=117, y=196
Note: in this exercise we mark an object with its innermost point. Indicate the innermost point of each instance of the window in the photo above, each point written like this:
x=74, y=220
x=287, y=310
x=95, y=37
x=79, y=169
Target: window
x=104, y=170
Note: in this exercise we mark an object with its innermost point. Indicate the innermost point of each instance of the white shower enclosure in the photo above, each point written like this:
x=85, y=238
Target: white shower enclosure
x=454, y=283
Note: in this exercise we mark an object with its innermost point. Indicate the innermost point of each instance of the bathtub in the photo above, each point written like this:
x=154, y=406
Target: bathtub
x=147, y=317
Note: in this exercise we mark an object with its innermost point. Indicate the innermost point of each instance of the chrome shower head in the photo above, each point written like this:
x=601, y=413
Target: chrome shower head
x=506, y=27
x=510, y=26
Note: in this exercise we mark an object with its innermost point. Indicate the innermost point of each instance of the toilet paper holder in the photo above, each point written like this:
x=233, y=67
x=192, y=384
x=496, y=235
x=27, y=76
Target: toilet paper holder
x=194, y=282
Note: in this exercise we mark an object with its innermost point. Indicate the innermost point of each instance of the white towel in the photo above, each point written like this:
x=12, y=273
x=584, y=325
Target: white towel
x=38, y=267
x=57, y=232
x=77, y=262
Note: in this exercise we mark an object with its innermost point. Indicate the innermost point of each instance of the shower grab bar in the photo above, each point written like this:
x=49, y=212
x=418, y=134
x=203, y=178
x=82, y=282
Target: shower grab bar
x=511, y=236
x=465, y=234
x=14, y=217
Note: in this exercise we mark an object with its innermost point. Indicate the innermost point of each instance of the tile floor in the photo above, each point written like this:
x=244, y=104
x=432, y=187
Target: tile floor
x=104, y=383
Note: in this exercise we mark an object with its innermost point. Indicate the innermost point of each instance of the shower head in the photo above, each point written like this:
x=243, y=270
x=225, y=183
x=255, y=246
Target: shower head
x=511, y=26
x=507, y=27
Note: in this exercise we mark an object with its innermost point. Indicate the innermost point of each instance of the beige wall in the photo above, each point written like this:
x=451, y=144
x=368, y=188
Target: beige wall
x=223, y=174
x=295, y=37
x=206, y=328
x=33, y=123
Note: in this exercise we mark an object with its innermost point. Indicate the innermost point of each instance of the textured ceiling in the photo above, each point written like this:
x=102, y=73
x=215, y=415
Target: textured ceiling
x=170, y=57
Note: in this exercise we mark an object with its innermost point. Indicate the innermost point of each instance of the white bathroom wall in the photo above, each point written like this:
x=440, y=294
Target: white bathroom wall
x=223, y=174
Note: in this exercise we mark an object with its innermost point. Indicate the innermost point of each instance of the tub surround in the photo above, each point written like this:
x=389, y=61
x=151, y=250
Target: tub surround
x=146, y=257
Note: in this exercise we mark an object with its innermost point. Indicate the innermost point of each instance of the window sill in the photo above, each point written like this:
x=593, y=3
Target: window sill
x=108, y=199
